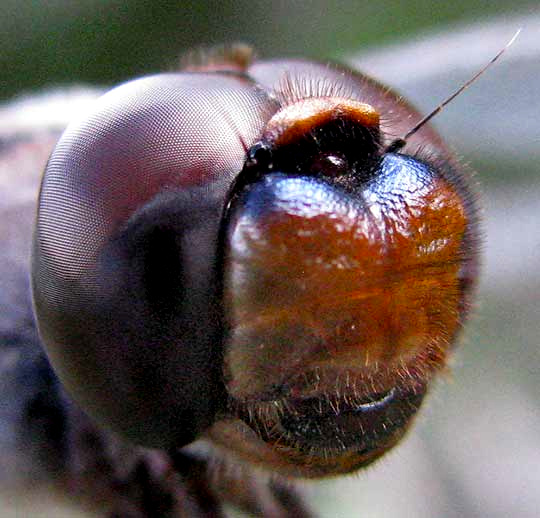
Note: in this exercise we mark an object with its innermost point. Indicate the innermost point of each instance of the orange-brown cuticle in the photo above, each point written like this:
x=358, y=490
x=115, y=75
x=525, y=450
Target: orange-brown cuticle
x=353, y=290
x=295, y=121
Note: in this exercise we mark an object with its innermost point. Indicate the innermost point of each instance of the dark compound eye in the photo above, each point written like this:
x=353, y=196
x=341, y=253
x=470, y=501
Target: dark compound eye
x=232, y=253
x=125, y=269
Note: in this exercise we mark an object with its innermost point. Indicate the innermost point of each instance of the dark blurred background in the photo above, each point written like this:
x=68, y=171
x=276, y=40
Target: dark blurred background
x=476, y=449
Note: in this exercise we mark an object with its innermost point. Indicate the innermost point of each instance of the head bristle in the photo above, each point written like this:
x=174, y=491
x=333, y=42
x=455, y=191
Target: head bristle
x=293, y=88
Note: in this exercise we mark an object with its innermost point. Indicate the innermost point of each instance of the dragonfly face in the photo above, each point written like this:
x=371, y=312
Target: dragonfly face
x=230, y=252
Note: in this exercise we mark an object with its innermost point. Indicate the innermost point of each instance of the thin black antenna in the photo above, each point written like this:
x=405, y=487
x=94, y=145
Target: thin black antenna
x=398, y=143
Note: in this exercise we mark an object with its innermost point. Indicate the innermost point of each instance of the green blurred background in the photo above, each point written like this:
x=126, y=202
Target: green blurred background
x=105, y=41
x=476, y=449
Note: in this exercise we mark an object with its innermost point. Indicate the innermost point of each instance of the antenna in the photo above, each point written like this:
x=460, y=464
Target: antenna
x=398, y=143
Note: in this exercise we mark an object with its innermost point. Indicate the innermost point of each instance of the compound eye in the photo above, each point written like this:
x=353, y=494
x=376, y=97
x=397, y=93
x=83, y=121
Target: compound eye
x=126, y=246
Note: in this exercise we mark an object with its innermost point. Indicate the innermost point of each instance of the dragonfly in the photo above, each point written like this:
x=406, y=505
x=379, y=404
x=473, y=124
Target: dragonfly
x=50, y=441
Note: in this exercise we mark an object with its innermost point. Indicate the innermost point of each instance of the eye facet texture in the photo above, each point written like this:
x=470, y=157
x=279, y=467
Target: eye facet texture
x=125, y=268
